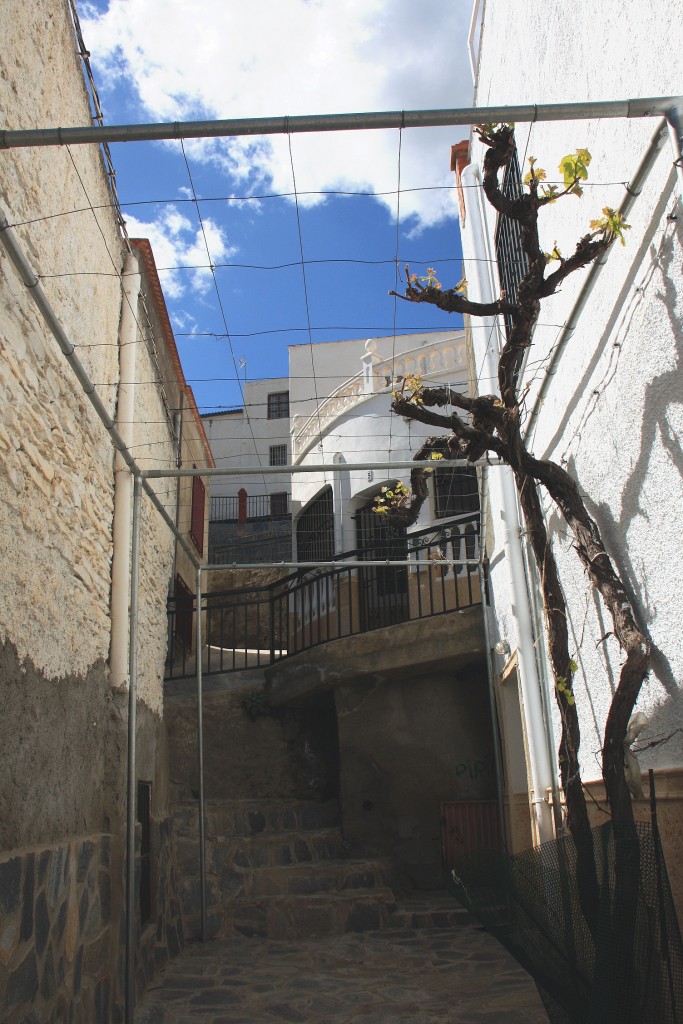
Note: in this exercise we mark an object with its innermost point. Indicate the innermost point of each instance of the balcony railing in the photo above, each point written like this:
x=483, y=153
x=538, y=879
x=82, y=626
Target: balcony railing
x=260, y=625
x=239, y=507
x=447, y=355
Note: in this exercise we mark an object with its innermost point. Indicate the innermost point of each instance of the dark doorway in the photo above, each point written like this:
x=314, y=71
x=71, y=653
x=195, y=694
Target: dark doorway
x=145, y=821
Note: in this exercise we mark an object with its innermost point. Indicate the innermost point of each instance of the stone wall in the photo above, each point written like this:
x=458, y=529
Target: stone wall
x=62, y=934
x=63, y=728
x=56, y=480
x=405, y=746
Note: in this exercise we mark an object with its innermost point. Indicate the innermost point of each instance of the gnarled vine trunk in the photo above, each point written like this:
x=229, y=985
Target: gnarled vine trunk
x=483, y=424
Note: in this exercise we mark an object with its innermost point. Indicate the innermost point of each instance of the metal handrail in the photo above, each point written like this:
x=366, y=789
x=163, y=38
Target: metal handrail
x=356, y=593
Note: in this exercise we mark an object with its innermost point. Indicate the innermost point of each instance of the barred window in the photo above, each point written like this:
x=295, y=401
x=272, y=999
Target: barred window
x=456, y=492
x=512, y=261
x=279, y=504
x=278, y=405
x=315, y=529
x=277, y=455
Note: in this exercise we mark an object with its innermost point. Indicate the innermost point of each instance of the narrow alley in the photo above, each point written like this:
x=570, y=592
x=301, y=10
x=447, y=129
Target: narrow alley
x=396, y=976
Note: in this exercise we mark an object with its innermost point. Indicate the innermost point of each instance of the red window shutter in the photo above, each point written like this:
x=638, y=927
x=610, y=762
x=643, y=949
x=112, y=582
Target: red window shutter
x=197, y=518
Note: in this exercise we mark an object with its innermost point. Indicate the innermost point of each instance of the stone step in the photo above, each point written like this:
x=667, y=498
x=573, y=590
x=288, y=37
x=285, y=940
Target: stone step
x=321, y=877
x=309, y=916
x=429, y=910
x=262, y=851
x=254, y=817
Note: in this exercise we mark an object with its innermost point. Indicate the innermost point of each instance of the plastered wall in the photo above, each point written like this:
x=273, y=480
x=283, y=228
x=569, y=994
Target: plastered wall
x=613, y=415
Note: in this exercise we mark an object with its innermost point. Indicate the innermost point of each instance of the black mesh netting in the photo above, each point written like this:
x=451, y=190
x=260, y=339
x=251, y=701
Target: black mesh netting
x=605, y=950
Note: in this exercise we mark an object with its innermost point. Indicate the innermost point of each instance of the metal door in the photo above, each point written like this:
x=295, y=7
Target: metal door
x=468, y=826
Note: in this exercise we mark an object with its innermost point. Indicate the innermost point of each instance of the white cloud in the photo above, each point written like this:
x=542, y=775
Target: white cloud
x=176, y=242
x=218, y=59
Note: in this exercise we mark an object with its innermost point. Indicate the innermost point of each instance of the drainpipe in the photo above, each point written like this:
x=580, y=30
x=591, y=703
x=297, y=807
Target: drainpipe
x=123, y=478
x=131, y=799
x=540, y=762
x=495, y=724
x=200, y=755
x=673, y=119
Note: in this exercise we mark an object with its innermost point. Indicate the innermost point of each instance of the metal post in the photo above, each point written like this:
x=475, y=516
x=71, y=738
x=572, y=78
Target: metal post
x=132, y=781
x=200, y=754
x=286, y=125
x=673, y=119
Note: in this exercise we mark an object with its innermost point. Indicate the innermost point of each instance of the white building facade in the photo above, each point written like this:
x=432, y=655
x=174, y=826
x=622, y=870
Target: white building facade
x=601, y=384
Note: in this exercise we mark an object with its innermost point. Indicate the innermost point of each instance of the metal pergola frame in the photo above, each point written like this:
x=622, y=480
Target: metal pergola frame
x=669, y=108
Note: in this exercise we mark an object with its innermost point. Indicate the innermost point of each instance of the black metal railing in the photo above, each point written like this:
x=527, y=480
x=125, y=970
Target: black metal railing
x=256, y=626
x=226, y=508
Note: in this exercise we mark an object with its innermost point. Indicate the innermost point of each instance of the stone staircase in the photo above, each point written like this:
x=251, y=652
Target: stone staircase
x=278, y=869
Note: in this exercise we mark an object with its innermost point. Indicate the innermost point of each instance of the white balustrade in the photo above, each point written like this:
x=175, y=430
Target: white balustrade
x=446, y=356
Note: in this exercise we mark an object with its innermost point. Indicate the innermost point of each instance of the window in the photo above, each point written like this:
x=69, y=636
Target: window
x=512, y=262
x=279, y=504
x=456, y=492
x=278, y=405
x=277, y=455
x=197, y=516
x=184, y=600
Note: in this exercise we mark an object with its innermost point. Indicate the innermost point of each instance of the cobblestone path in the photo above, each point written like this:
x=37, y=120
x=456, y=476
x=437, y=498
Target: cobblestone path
x=456, y=976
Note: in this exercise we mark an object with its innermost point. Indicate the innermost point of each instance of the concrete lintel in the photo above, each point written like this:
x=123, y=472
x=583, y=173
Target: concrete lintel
x=453, y=640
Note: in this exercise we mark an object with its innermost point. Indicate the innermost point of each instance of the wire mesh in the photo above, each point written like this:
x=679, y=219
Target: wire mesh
x=626, y=965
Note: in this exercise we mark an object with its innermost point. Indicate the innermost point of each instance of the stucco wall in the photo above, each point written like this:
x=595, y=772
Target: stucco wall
x=243, y=438
x=367, y=431
x=613, y=414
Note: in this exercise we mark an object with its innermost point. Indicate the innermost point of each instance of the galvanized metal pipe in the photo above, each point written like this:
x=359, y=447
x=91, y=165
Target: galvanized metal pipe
x=30, y=279
x=673, y=118
x=132, y=770
x=539, y=755
x=200, y=756
x=326, y=467
x=284, y=125
x=123, y=479
x=424, y=563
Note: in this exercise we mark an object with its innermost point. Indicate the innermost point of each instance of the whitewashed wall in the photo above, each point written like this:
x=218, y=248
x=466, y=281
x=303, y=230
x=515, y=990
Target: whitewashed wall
x=367, y=431
x=243, y=438
x=613, y=414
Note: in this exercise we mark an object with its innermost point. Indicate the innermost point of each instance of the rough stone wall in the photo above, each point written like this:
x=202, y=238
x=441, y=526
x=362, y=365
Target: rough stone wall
x=274, y=755
x=62, y=938
x=55, y=459
x=405, y=746
x=63, y=729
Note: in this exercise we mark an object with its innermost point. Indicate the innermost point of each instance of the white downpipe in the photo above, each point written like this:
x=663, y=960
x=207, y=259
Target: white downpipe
x=540, y=765
x=123, y=478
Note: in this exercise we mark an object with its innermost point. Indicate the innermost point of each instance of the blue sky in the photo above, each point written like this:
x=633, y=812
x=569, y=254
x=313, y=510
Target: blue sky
x=166, y=62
